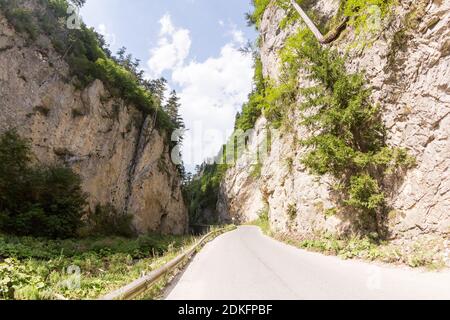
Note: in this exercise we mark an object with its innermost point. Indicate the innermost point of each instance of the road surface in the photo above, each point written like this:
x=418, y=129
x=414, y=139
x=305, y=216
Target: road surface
x=246, y=265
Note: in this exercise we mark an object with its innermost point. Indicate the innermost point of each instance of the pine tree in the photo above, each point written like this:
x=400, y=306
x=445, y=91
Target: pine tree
x=158, y=88
x=172, y=108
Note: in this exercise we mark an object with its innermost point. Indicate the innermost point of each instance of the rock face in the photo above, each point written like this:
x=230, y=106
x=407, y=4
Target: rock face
x=413, y=90
x=122, y=159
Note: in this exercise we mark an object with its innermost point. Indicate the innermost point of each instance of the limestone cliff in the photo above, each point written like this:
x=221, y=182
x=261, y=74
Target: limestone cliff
x=122, y=159
x=413, y=90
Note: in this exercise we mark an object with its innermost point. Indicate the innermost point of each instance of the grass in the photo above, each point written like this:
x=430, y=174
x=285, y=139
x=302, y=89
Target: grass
x=80, y=269
x=263, y=222
x=76, y=269
x=424, y=253
x=256, y=171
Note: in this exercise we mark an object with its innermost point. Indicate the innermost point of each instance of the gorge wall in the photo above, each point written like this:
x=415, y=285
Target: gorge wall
x=122, y=159
x=413, y=91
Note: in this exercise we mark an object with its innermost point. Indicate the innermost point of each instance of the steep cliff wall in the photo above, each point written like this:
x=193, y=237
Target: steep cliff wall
x=410, y=82
x=121, y=157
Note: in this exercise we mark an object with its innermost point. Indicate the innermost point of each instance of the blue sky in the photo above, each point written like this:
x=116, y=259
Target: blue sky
x=194, y=45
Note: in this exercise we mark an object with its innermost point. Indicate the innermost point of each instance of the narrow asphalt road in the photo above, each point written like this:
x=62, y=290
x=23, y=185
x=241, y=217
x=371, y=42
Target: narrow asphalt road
x=246, y=265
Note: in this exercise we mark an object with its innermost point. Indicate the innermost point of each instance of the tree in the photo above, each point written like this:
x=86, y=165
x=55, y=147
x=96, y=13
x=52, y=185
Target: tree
x=14, y=163
x=158, y=89
x=43, y=201
x=131, y=64
x=172, y=108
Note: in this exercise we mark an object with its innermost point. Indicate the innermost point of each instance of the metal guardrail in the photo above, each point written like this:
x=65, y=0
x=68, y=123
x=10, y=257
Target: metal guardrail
x=141, y=285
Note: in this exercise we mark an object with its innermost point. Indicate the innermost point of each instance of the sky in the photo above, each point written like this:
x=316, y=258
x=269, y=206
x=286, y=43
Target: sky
x=194, y=44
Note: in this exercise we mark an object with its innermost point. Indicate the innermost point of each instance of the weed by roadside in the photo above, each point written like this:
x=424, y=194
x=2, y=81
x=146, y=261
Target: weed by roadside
x=79, y=269
x=424, y=253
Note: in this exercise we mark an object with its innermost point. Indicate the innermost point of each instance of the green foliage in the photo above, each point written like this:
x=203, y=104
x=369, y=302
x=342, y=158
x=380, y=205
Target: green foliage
x=358, y=9
x=256, y=170
x=105, y=220
x=364, y=193
x=88, y=56
x=33, y=268
x=202, y=190
x=22, y=20
x=290, y=165
x=292, y=212
x=260, y=7
x=348, y=138
x=263, y=220
x=363, y=16
x=292, y=15
x=121, y=83
x=360, y=13
x=44, y=249
x=266, y=99
x=251, y=110
x=422, y=253
x=14, y=276
x=36, y=200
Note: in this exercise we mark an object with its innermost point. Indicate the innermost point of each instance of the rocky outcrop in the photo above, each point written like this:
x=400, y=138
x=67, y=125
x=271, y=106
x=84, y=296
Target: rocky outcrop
x=122, y=159
x=409, y=72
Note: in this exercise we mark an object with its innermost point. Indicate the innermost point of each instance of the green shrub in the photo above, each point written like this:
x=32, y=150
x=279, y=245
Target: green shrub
x=33, y=268
x=13, y=276
x=88, y=56
x=202, y=191
x=252, y=110
x=292, y=212
x=263, y=220
x=359, y=13
x=349, y=137
x=258, y=11
x=256, y=170
x=42, y=201
x=22, y=21
x=106, y=221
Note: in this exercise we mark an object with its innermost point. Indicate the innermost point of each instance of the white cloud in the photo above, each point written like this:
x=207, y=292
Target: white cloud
x=110, y=38
x=238, y=36
x=173, y=48
x=167, y=27
x=212, y=91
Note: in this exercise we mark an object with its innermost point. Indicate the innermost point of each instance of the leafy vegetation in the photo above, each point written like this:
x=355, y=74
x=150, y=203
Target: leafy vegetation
x=202, y=191
x=263, y=221
x=22, y=20
x=360, y=13
x=251, y=110
x=260, y=7
x=32, y=268
x=105, y=220
x=348, y=139
x=88, y=56
x=420, y=254
x=256, y=170
x=35, y=200
x=348, y=136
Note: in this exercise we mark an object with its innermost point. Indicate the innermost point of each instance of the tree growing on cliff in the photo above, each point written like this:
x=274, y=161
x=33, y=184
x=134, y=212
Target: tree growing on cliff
x=172, y=108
